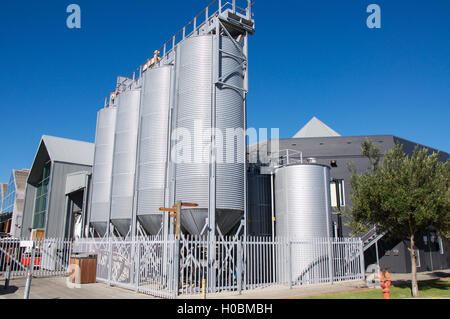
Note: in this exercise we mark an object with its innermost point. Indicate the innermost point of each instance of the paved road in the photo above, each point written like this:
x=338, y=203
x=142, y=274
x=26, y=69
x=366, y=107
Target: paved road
x=56, y=288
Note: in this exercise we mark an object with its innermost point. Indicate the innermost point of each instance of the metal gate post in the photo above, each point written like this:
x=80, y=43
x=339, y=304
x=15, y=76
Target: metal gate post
x=330, y=260
x=110, y=249
x=239, y=266
x=176, y=267
x=137, y=264
x=361, y=259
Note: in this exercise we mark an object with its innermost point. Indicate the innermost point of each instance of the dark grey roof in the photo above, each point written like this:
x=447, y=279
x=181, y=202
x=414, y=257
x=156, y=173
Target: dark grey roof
x=340, y=146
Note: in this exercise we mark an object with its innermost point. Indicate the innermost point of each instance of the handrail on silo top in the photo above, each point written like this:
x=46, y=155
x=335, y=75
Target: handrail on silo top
x=137, y=73
x=286, y=157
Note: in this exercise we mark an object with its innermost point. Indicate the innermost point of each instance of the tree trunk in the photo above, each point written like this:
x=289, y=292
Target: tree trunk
x=414, y=286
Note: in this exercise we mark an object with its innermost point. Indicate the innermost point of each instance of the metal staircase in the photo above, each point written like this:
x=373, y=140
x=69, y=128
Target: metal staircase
x=371, y=237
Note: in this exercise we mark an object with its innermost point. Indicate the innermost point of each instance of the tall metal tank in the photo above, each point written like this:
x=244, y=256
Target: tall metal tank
x=124, y=160
x=302, y=211
x=102, y=169
x=153, y=147
x=195, y=69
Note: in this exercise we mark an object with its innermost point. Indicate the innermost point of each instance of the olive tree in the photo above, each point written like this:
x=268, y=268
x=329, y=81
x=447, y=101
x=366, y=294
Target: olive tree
x=401, y=195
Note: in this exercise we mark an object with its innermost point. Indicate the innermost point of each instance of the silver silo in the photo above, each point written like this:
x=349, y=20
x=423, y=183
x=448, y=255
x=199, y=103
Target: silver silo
x=153, y=147
x=124, y=160
x=195, y=67
x=302, y=210
x=102, y=169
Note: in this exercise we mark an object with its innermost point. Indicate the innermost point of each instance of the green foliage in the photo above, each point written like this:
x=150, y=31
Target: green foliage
x=402, y=195
x=371, y=152
x=429, y=289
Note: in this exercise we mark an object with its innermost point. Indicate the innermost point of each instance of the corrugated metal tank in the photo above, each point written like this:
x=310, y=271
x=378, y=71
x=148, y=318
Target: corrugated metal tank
x=259, y=205
x=194, y=108
x=124, y=160
x=153, y=147
x=302, y=210
x=102, y=169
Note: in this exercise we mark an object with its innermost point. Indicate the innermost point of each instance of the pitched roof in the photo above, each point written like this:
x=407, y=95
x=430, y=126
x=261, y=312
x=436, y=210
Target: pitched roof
x=57, y=149
x=69, y=151
x=315, y=128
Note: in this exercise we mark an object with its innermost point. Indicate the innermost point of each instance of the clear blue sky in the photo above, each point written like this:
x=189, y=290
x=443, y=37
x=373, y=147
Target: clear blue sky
x=307, y=58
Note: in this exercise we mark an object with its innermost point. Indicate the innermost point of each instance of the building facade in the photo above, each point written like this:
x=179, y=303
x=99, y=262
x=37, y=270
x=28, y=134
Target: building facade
x=319, y=143
x=12, y=203
x=47, y=209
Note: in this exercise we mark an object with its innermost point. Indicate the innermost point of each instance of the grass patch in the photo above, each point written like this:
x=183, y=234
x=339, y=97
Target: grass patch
x=427, y=289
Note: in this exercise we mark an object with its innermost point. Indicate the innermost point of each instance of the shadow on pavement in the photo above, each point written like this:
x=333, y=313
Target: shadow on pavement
x=9, y=290
x=440, y=274
x=432, y=282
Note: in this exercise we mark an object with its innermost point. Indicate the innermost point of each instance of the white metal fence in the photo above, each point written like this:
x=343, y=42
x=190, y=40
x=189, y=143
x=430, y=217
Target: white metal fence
x=51, y=257
x=167, y=268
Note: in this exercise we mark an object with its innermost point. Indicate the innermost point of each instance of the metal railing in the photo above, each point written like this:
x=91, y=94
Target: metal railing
x=215, y=8
x=51, y=257
x=169, y=267
x=371, y=237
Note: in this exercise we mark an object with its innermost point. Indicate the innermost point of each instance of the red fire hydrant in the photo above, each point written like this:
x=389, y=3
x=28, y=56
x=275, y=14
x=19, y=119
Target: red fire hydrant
x=385, y=282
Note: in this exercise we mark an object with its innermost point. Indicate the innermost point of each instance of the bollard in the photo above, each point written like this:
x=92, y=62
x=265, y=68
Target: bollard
x=8, y=276
x=26, y=295
x=203, y=288
x=29, y=274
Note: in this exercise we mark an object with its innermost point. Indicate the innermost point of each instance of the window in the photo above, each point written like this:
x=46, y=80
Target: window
x=8, y=200
x=41, y=199
x=337, y=193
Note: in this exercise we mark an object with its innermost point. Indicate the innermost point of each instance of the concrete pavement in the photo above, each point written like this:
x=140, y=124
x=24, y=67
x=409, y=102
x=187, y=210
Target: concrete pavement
x=56, y=288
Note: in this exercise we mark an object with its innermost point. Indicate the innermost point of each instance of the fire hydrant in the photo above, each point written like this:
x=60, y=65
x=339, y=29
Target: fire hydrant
x=385, y=282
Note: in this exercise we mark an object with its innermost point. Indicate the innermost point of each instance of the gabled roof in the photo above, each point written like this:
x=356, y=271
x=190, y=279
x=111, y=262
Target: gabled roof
x=57, y=149
x=315, y=128
x=69, y=151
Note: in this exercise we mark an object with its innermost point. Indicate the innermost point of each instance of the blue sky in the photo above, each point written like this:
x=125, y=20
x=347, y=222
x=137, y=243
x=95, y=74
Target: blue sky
x=307, y=58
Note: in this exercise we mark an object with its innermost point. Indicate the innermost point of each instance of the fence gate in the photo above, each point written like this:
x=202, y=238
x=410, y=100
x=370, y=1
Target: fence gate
x=225, y=271
x=157, y=267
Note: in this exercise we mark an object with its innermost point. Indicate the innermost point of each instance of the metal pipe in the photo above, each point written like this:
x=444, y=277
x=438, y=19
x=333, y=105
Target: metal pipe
x=8, y=276
x=29, y=273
